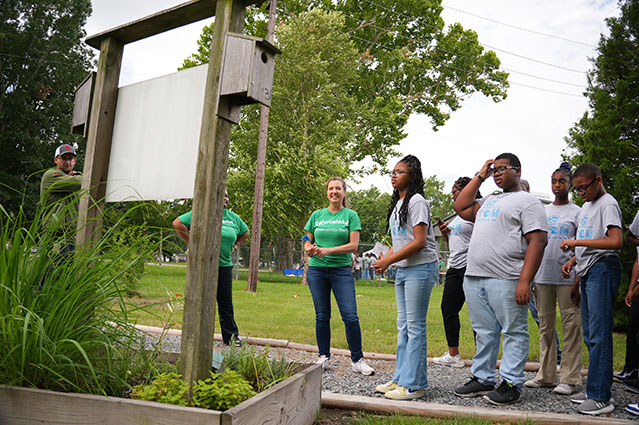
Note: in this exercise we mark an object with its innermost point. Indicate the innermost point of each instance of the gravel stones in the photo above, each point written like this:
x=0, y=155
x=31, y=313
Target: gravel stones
x=339, y=378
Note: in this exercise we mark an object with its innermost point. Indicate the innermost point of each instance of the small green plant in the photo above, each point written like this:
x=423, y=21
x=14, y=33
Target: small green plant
x=221, y=391
x=165, y=388
x=257, y=368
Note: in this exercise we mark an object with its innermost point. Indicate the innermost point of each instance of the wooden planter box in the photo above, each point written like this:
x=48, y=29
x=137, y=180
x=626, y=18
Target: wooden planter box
x=296, y=401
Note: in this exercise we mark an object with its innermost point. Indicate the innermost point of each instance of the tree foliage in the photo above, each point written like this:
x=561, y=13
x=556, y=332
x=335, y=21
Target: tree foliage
x=311, y=131
x=42, y=59
x=350, y=75
x=372, y=206
x=608, y=133
x=440, y=201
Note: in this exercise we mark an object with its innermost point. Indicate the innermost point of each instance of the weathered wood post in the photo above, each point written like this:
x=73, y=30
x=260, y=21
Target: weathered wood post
x=208, y=206
x=96, y=161
x=260, y=167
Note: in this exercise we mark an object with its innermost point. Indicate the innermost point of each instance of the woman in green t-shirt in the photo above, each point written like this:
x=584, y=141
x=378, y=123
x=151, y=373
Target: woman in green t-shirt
x=234, y=233
x=334, y=236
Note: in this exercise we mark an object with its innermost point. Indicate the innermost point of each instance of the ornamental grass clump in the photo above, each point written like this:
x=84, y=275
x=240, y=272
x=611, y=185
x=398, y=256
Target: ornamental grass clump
x=257, y=368
x=63, y=319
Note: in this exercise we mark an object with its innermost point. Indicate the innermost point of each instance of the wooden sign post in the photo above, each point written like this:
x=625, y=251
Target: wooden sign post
x=220, y=111
x=208, y=206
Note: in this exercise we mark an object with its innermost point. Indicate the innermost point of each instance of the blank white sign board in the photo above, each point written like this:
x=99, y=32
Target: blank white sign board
x=156, y=134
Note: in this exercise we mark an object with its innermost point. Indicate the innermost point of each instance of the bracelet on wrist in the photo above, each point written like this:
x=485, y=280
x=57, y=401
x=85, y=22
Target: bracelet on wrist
x=481, y=179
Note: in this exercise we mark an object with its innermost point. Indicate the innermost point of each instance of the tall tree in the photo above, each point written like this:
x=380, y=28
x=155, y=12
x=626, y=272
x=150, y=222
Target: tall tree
x=608, y=133
x=42, y=59
x=372, y=207
x=350, y=75
x=440, y=201
x=310, y=129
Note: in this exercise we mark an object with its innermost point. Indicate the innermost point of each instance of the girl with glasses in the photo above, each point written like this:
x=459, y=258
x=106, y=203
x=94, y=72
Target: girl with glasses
x=414, y=253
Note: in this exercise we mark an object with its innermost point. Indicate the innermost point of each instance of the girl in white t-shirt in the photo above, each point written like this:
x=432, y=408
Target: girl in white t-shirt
x=415, y=255
x=551, y=288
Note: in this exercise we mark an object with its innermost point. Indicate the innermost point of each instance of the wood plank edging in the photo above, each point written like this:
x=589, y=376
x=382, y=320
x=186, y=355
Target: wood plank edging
x=377, y=405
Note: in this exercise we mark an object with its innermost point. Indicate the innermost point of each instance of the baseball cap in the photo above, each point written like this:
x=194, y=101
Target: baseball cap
x=62, y=149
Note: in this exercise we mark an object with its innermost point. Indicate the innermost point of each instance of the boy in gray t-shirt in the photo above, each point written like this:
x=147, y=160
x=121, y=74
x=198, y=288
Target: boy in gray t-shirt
x=597, y=262
x=505, y=250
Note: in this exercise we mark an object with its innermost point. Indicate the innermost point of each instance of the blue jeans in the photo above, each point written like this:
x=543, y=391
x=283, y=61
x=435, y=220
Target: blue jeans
x=321, y=280
x=413, y=286
x=598, y=292
x=493, y=310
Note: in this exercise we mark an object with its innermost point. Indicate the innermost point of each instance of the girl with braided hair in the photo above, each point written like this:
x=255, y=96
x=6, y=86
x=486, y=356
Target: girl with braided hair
x=457, y=234
x=415, y=255
x=551, y=288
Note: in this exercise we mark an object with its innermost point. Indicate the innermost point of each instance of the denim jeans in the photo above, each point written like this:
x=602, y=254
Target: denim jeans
x=413, y=286
x=493, y=310
x=598, y=292
x=321, y=280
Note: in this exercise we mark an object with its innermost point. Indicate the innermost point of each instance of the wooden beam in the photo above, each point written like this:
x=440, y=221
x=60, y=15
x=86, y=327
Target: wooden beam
x=174, y=17
x=208, y=206
x=96, y=160
x=260, y=170
x=434, y=410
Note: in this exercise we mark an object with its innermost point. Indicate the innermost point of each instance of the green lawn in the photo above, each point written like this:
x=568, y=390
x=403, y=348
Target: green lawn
x=283, y=309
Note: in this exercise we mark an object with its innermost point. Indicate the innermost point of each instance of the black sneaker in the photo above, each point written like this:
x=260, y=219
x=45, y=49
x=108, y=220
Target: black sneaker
x=506, y=393
x=625, y=375
x=473, y=388
x=632, y=385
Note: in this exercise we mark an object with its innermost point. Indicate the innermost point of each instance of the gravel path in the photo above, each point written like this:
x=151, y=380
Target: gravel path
x=441, y=380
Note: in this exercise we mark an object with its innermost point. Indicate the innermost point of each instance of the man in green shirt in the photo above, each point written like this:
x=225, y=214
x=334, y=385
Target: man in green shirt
x=56, y=196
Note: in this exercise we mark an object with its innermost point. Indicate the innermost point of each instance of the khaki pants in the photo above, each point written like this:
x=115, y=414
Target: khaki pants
x=546, y=298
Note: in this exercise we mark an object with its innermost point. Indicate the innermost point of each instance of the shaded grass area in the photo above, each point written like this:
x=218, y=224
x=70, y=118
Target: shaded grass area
x=283, y=309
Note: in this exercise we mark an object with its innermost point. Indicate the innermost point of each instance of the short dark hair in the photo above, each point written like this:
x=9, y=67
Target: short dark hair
x=588, y=170
x=461, y=183
x=511, y=157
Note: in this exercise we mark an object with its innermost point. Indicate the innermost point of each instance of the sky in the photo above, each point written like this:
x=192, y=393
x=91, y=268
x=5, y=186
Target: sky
x=536, y=41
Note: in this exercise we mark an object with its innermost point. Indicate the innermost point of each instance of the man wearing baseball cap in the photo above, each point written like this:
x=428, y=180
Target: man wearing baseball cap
x=56, y=186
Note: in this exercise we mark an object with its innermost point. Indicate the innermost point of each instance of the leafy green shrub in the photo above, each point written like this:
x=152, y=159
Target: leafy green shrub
x=133, y=262
x=63, y=320
x=221, y=391
x=165, y=388
x=258, y=369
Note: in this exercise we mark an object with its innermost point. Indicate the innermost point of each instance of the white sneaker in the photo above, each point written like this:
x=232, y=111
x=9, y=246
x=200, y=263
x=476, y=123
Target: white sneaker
x=565, y=389
x=536, y=383
x=447, y=360
x=388, y=386
x=401, y=393
x=323, y=360
x=361, y=367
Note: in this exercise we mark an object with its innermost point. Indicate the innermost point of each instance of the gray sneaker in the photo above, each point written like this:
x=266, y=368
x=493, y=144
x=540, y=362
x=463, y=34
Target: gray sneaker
x=594, y=407
x=578, y=398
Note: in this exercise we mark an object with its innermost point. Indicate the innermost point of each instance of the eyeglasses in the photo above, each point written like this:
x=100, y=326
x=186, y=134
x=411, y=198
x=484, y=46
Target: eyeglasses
x=502, y=169
x=67, y=159
x=581, y=190
x=397, y=173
